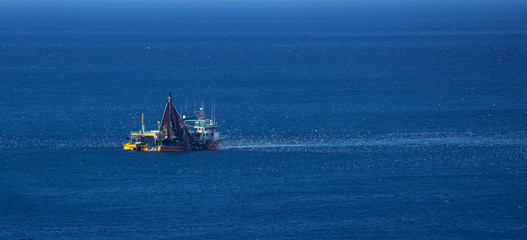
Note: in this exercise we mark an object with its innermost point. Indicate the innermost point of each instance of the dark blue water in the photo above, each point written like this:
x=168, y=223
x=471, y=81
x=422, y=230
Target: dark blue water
x=344, y=120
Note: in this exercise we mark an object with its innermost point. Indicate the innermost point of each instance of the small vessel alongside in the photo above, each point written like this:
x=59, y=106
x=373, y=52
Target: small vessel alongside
x=176, y=133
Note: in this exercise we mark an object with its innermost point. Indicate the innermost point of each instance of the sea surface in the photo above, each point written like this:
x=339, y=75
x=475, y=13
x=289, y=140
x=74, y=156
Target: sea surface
x=343, y=120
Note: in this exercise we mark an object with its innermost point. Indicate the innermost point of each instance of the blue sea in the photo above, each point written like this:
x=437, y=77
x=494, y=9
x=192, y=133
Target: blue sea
x=343, y=119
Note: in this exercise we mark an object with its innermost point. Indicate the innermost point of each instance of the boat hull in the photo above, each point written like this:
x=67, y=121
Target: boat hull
x=170, y=148
x=143, y=147
x=214, y=145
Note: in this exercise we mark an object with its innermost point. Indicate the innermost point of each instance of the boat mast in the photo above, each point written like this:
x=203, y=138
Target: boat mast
x=143, y=122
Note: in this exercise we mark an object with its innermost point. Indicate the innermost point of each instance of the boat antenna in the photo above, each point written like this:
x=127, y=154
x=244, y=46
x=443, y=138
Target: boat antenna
x=186, y=100
x=214, y=113
x=194, y=109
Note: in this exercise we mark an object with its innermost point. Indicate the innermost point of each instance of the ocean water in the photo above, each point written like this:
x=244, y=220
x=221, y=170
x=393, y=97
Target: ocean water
x=343, y=120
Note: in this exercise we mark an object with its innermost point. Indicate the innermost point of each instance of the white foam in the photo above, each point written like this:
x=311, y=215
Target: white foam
x=460, y=141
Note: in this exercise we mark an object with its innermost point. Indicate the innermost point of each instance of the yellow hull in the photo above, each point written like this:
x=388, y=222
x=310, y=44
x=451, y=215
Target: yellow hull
x=135, y=147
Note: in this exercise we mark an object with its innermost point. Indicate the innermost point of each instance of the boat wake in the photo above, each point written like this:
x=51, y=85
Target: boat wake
x=298, y=144
x=454, y=141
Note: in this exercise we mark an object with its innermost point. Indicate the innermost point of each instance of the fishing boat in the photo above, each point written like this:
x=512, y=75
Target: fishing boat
x=176, y=133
